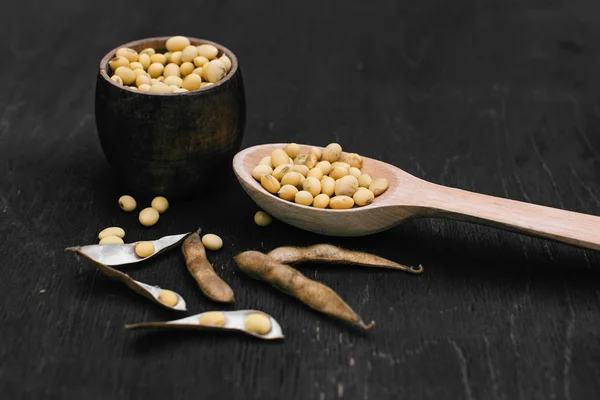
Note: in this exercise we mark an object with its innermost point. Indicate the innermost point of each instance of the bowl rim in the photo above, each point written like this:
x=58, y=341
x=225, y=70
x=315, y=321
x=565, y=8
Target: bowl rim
x=140, y=43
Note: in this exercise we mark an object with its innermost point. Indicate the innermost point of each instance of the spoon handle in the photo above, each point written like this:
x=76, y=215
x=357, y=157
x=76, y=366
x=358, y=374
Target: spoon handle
x=564, y=226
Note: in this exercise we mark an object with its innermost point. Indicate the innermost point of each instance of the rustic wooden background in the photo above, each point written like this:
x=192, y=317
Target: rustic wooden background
x=499, y=97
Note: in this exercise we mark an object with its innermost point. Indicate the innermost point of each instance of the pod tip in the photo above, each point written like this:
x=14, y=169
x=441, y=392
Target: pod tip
x=417, y=270
x=367, y=327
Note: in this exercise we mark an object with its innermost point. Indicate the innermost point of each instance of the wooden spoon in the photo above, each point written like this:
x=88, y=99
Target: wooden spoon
x=411, y=197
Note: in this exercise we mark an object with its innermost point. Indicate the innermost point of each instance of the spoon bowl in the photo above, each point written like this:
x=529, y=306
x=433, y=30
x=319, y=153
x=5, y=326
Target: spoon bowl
x=409, y=197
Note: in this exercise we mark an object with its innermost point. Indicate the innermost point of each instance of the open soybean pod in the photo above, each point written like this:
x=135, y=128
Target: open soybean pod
x=121, y=254
x=312, y=293
x=240, y=320
x=165, y=298
x=326, y=253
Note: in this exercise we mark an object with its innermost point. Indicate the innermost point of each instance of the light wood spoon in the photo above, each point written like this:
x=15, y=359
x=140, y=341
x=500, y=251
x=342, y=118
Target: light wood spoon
x=411, y=197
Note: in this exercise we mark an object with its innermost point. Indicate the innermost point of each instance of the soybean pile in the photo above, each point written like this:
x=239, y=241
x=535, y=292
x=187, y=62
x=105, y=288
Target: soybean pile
x=319, y=178
x=182, y=68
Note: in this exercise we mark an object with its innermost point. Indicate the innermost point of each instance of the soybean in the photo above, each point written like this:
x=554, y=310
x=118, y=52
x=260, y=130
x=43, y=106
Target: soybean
x=212, y=241
x=281, y=171
x=135, y=65
x=266, y=161
x=214, y=71
x=147, y=51
x=127, y=203
x=338, y=172
x=287, y=192
x=212, y=318
x=260, y=170
x=148, y=216
x=191, y=82
x=293, y=178
x=328, y=186
x=155, y=69
x=355, y=172
x=145, y=60
x=378, y=186
x=111, y=240
x=168, y=297
x=354, y=160
x=311, y=161
x=142, y=80
x=226, y=61
x=292, y=150
x=173, y=81
x=341, y=202
x=332, y=152
x=186, y=68
x=312, y=185
x=363, y=197
x=262, y=218
x=144, y=88
x=144, y=249
x=321, y=201
x=317, y=152
x=258, y=323
x=208, y=50
x=160, y=88
x=270, y=183
x=177, y=43
x=128, y=53
x=118, y=62
x=304, y=198
x=117, y=79
x=126, y=75
x=160, y=204
x=200, y=61
x=189, y=53
x=176, y=57
x=301, y=169
x=112, y=231
x=171, y=69
x=324, y=166
x=158, y=58
x=279, y=157
x=346, y=186
x=315, y=173
x=365, y=180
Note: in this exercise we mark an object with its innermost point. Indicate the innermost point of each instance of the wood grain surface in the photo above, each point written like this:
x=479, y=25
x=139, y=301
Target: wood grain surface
x=500, y=98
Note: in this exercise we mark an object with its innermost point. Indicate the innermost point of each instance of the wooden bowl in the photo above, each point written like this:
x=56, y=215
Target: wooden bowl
x=170, y=144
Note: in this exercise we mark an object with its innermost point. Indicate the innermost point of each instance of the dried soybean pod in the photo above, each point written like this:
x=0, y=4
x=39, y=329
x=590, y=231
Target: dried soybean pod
x=208, y=281
x=151, y=292
x=326, y=253
x=221, y=321
x=312, y=293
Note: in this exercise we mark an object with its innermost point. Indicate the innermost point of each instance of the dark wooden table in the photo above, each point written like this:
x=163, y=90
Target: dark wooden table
x=501, y=98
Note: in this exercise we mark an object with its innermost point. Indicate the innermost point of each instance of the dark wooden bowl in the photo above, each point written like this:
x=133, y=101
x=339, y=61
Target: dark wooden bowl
x=170, y=144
